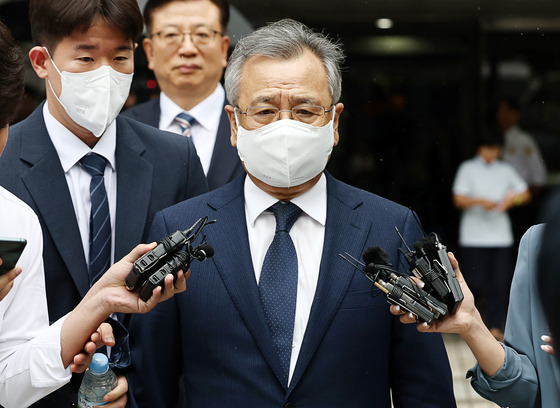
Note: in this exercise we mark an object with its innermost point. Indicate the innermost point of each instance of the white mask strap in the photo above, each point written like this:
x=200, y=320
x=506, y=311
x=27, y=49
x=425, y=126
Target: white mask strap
x=54, y=65
x=49, y=81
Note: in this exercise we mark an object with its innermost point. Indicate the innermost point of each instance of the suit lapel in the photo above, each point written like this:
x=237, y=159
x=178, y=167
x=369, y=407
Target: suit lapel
x=134, y=189
x=148, y=113
x=46, y=183
x=345, y=231
x=235, y=266
x=225, y=163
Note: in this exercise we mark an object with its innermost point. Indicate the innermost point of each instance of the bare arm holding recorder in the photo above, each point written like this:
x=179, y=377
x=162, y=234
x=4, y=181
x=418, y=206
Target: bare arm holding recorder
x=466, y=322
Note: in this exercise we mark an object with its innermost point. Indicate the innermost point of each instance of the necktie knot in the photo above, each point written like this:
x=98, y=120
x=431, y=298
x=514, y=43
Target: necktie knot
x=286, y=214
x=185, y=122
x=94, y=164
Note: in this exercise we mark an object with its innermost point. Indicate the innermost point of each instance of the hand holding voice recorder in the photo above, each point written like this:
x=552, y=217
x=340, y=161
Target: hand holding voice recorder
x=172, y=254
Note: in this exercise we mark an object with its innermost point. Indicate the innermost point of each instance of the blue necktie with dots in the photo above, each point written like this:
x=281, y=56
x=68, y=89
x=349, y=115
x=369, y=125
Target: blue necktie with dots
x=185, y=121
x=278, y=282
x=99, y=220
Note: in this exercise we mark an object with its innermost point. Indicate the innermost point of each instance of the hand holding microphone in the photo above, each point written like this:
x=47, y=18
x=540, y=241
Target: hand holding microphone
x=168, y=257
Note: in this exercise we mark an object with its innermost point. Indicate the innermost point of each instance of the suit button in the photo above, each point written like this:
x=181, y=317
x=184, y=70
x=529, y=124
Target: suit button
x=289, y=405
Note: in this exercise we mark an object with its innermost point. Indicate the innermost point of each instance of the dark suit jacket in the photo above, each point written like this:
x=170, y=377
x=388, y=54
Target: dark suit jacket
x=215, y=334
x=224, y=165
x=154, y=171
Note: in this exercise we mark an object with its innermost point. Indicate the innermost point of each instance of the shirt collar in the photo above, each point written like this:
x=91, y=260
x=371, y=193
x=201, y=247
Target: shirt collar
x=313, y=202
x=483, y=162
x=71, y=149
x=207, y=113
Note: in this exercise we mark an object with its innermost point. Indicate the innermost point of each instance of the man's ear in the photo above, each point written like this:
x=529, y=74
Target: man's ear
x=225, y=49
x=230, y=110
x=149, y=50
x=38, y=57
x=338, y=108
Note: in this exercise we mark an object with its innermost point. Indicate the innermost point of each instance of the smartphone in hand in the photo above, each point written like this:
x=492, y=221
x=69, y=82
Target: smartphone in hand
x=10, y=251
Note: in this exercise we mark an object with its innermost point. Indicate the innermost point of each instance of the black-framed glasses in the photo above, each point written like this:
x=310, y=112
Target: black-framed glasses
x=258, y=116
x=173, y=37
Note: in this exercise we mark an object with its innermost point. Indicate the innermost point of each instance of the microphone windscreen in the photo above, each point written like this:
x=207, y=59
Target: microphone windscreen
x=375, y=255
x=428, y=244
x=208, y=250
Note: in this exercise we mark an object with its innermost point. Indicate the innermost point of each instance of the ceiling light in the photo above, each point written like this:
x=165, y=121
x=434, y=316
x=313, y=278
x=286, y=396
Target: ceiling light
x=384, y=23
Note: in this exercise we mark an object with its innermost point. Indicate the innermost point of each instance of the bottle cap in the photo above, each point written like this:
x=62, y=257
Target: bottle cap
x=99, y=363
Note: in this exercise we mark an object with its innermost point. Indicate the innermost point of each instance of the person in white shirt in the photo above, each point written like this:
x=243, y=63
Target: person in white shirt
x=35, y=358
x=485, y=188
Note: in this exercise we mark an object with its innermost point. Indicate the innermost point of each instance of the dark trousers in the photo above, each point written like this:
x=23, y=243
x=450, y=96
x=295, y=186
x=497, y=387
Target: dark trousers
x=488, y=273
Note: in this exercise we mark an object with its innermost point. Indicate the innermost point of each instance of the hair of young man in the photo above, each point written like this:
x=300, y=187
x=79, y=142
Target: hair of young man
x=491, y=136
x=11, y=76
x=511, y=103
x=285, y=40
x=53, y=20
x=153, y=5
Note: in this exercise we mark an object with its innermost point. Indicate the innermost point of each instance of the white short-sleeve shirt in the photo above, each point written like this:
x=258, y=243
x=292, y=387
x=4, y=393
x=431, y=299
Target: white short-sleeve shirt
x=477, y=179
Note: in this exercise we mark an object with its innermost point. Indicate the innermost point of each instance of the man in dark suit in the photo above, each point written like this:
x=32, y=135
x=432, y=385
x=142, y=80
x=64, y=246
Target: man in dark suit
x=85, y=53
x=187, y=49
x=276, y=318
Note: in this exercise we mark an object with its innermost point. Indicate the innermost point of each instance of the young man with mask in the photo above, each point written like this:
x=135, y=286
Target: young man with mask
x=277, y=318
x=89, y=218
x=187, y=49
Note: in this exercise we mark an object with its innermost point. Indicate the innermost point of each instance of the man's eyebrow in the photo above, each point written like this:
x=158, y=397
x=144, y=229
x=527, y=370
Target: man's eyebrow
x=297, y=100
x=86, y=47
x=90, y=47
x=304, y=100
x=261, y=99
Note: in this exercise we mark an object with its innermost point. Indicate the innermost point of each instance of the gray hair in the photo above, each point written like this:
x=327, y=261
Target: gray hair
x=285, y=39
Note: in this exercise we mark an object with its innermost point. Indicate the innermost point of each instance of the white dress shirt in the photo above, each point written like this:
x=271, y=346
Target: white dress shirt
x=207, y=114
x=30, y=361
x=70, y=150
x=308, y=235
x=476, y=178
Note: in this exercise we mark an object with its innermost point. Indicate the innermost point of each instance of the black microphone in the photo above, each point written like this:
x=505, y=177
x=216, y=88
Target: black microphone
x=428, y=245
x=375, y=255
x=179, y=260
x=202, y=252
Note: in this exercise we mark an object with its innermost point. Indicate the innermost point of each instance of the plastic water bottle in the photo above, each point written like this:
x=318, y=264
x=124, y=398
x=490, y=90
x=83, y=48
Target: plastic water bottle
x=97, y=382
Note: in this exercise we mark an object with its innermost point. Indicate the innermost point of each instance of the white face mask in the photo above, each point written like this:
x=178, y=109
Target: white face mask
x=93, y=99
x=285, y=153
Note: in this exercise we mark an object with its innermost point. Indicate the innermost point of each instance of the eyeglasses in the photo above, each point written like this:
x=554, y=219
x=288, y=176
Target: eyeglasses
x=174, y=37
x=258, y=116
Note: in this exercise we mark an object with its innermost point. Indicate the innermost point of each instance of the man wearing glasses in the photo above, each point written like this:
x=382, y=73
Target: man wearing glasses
x=276, y=318
x=187, y=49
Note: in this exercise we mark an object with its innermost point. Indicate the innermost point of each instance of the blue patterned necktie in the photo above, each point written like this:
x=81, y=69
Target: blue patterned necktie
x=99, y=221
x=185, y=121
x=278, y=283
